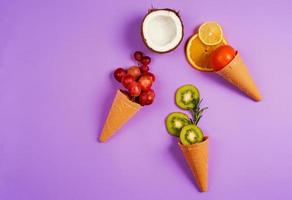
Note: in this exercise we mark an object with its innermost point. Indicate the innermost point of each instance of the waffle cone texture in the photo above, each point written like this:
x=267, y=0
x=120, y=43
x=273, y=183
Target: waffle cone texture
x=122, y=110
x=196, y=156
x=237, y=74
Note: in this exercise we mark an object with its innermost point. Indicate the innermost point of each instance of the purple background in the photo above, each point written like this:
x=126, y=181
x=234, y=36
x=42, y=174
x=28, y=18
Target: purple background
x=56, y=87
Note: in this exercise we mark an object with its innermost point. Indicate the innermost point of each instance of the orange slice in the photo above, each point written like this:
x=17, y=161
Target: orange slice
x=198, y=54
x=210, y=33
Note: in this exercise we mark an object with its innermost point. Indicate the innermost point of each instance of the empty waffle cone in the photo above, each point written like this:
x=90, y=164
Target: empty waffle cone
x=237, y=74
x=121, y=111
x=196, y=156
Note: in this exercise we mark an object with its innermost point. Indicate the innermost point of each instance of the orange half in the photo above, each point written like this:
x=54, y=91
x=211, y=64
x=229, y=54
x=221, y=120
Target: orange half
x=198, y=54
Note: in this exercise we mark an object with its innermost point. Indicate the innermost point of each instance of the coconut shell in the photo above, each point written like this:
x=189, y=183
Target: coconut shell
x=142, y=34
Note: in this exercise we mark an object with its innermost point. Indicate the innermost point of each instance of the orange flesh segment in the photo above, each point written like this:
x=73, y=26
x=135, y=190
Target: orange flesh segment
x=199, y=54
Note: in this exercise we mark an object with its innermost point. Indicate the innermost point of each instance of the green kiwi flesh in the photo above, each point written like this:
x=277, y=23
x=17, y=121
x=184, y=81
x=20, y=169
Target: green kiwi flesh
x=186, y=96
x=175, y=122
x=191, y=134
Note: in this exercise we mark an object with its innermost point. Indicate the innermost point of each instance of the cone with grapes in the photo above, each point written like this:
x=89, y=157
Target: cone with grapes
x=138, y=92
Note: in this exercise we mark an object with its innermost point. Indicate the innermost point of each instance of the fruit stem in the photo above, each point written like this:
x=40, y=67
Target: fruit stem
x=134, y=99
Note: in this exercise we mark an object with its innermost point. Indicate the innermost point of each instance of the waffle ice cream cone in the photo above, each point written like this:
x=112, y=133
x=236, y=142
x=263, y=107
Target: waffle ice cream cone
x=121, y=111
x=196, y=156
x=237, y=74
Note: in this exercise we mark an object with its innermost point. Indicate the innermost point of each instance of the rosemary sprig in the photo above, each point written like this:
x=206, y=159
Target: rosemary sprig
x=197, y=111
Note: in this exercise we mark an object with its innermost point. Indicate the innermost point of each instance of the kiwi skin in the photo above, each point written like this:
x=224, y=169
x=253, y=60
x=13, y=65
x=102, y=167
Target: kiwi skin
x=196, y=130
x=170, y=126
x=179, y=96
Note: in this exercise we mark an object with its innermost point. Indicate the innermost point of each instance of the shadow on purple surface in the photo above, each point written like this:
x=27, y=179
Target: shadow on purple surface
x=5, y=33
x=219, y=80
x=179, y=158
x=132, y=34
x=106, y=102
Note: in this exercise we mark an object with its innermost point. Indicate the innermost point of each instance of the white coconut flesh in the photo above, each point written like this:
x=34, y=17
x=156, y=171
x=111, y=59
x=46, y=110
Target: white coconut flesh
x=162, y=30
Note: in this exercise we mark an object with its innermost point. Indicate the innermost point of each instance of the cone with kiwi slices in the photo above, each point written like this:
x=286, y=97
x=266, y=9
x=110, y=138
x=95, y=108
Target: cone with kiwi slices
x=192, y=142
x=138, y=82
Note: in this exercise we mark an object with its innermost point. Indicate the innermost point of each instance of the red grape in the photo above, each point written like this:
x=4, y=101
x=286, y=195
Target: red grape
x=134, y=89
x=119, y=74
x=152, y=76
x=146, y=60
x=138, y=55
x=145, y=82
x=147, y=98
x=127, y=80
x=144, y=68
x=134, y=71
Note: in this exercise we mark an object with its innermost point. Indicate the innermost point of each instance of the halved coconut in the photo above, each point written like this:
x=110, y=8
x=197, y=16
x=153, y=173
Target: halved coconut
x=162, y=30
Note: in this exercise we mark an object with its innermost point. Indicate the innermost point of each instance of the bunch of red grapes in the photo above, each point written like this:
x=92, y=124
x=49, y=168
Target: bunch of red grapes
x=138, y=80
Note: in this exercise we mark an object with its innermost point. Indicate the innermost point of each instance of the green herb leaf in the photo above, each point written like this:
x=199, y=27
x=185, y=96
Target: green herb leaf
x=197, y=112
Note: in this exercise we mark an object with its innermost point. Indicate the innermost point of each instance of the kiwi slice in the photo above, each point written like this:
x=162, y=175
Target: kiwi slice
x=191, y=134
x=186, y=97
x=175, y=122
